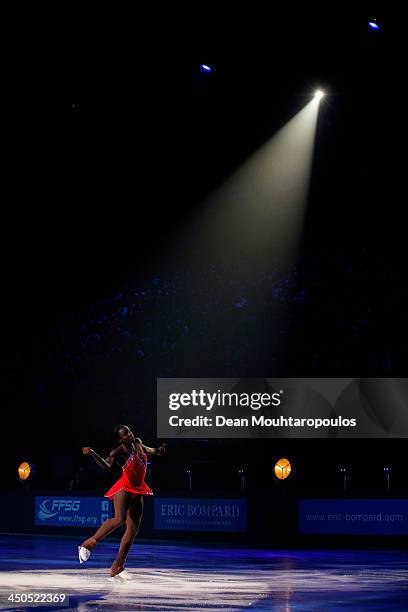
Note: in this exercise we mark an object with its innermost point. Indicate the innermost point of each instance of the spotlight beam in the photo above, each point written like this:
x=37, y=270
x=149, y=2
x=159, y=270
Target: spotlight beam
x=256, y=216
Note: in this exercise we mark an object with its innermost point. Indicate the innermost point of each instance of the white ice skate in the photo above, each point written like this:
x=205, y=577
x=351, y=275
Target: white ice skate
x=83, y=554
x=123, y=576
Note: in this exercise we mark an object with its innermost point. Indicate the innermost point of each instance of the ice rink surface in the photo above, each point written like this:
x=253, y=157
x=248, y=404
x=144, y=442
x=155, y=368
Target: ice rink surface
x=169, y=576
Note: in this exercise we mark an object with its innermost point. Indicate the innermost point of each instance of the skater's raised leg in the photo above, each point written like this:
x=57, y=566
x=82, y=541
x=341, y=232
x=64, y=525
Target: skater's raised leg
x=121, y=503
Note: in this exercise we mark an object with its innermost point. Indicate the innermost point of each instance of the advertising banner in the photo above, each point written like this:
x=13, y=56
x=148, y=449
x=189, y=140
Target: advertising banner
x=354, y=516
x=200, y=514
x=71, y=511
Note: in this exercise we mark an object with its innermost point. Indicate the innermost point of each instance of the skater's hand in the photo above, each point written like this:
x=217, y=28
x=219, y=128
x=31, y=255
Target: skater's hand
x=160, y=450
x=87, y=450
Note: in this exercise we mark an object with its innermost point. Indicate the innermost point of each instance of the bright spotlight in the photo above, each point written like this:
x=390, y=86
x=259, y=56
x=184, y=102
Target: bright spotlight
x=319, y=95
x=373, y=25
x=205, y=68
x=262, y=205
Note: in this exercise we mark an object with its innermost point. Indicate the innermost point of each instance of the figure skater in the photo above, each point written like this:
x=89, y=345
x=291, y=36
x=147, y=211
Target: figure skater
x=127, y=494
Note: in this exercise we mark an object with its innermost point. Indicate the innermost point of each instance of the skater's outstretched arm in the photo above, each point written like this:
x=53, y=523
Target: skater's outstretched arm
x=135, y=442
x=105, y=464
x=160, y=450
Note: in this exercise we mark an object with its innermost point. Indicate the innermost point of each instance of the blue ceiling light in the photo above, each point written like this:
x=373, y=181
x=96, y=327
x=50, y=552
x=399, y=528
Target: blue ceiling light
x=205, y=68
x=373, y=25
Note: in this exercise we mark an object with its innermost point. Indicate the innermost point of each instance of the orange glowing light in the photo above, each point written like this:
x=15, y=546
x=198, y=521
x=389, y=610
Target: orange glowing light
x=24, y=470
x=282, y=469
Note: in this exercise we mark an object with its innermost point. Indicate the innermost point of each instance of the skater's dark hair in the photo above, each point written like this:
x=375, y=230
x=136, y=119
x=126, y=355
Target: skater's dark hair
x=118, y=428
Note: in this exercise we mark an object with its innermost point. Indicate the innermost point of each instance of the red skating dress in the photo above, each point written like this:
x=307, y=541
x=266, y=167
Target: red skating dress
x=133, y=475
